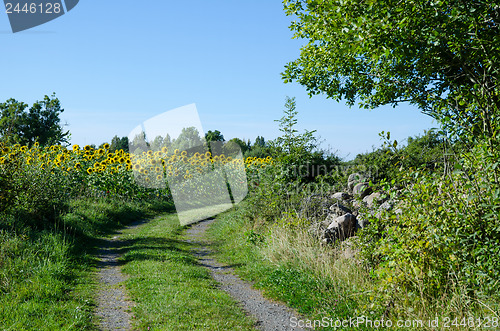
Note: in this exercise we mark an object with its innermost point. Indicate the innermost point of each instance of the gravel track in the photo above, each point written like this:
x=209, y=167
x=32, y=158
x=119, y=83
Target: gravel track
x=270, y=315
x=113, y=305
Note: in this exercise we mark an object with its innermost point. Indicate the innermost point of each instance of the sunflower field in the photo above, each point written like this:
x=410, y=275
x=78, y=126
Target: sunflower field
x=37, y=180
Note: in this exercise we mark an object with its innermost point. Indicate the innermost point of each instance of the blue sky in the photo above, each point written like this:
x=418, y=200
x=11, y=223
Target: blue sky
x=114, y=64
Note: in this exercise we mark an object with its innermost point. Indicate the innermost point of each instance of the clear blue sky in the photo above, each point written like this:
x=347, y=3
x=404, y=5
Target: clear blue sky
x=114, y=64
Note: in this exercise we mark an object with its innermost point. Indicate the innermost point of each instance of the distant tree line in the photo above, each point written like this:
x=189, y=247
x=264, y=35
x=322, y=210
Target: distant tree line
x=190, y=140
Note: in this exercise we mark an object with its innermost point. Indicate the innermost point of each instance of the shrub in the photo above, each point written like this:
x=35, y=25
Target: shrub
x=445, y=237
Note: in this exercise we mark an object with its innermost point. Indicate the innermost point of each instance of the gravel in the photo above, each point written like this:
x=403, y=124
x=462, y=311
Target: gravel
x=113, y=305
x=269, y=315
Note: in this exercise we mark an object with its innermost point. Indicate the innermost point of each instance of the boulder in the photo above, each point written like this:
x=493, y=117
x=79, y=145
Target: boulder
x=354, y=179
x=386, y=206
x=340, y=228
x=361, y=190
x=341, y=196
x=372, y=199
x=339, y=209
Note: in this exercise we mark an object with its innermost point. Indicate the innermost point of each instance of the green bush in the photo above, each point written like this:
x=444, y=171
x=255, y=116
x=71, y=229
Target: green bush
x=33, y=196
x=431, y=152
x=446, y=235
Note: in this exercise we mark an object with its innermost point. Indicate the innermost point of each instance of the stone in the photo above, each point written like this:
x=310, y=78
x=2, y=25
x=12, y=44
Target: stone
x=361, y=190
x=339, y=209
x=386, y=206
x=354, y=179
x=341, y=227
x=341, y=196
x=371, y=199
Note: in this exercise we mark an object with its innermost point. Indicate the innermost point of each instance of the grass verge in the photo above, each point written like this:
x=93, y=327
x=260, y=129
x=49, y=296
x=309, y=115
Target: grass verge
x=170, y=289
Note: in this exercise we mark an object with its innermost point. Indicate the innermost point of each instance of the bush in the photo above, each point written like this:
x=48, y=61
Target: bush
x=446, y=236
x=431, y=152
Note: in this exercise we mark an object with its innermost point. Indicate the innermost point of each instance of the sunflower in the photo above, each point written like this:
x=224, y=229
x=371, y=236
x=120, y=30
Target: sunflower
x=90, y=170
x=87, y=148
x=159, y=177
x=105, y=146
x=76, y=148
x=164, y=150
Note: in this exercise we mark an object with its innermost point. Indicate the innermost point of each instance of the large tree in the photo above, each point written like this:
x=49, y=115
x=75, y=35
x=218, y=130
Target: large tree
x=39, y=123
x=442, y=56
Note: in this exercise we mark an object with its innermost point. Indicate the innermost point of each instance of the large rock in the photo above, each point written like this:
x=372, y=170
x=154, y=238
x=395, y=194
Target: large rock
x=354, y=179
x=387, y=205
x=341, y=196
x=340, y=228
x=339, y=209
x=361, y=190
x=372, y=199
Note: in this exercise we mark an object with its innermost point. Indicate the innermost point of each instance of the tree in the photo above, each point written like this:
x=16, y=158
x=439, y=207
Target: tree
x=234, y=146
x=260, y=141
x=214, y=136
x=40, y=123
x=11, y=121
x=118, y=143
x=441, y=56
x=293, y=143
x=214, y=141
x=189, y=138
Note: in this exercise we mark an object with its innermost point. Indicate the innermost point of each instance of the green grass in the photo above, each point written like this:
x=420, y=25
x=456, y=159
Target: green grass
x=170, y=289
x=39, y=287
x=47, y=275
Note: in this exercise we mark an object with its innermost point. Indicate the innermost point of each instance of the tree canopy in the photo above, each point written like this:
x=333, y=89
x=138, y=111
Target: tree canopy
x=213, y=136
x=39, y=123
x=442, y=56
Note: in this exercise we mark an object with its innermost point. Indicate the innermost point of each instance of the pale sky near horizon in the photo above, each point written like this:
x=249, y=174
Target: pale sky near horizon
x=116, y=64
